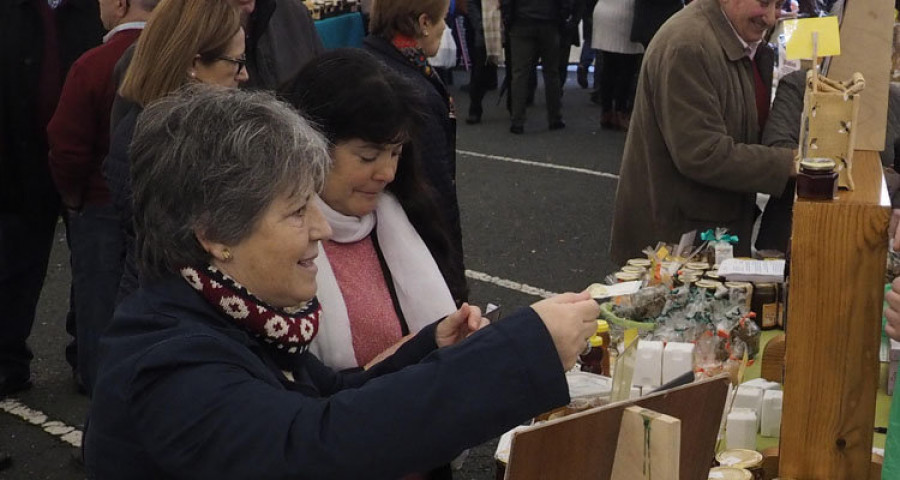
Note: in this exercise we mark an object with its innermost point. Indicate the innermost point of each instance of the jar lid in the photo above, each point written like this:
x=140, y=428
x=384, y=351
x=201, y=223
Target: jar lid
x=819, y=164
x=712, y=275
x=596, y=341
x=627, y=276
x=634, y=269
x=729, y=473
x=740, y=458
x=710, y=284
x=639, y=262
x=738, y=284
x=692, y=271
x=688, y=278
x=602, y=326
x=697, y=265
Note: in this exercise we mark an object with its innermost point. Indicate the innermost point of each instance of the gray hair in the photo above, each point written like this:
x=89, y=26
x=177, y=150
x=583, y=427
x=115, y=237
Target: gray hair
x=211, y=160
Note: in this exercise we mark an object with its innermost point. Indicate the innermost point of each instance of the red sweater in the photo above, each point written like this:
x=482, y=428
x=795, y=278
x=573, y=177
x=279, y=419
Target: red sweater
x=78, y=133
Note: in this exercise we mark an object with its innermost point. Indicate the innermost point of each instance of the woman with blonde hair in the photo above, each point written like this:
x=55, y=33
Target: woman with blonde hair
x=185, y=41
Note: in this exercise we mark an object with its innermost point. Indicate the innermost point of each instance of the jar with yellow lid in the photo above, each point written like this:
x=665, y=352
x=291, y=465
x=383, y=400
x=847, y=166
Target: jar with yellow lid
x=817, y=179
x=597, y=359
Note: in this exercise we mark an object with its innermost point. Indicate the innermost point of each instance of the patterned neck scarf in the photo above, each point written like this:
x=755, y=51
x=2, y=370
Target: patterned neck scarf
x=408, y=47
x=285, y=330
x=411, y=50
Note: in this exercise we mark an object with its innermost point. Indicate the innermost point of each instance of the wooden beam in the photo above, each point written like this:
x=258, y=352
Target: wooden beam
x=838, y=252
x=867, y=38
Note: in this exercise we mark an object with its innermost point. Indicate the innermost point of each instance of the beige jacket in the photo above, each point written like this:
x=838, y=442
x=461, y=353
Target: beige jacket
x=692, y=158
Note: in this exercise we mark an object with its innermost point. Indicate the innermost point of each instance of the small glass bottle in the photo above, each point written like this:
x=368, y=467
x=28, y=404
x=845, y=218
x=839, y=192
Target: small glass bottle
x=597, y=359
x=765, y=304
x=817, y=179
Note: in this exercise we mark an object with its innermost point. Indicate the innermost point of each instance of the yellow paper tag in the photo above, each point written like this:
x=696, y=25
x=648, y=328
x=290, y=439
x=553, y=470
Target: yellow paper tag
x=798, y=35
x=662, y=253
x=630, y=335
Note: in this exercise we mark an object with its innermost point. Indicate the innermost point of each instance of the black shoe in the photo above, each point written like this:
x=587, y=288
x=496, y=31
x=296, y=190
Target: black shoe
x=557, y=125
x=5, y=461
x=581, y=76
x=516, y=129
x=10, y=384
x=473, y=118
x=595, y=97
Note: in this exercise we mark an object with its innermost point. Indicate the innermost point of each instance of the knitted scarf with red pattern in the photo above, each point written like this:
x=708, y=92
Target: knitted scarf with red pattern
x=410, y=49
x=287, y=331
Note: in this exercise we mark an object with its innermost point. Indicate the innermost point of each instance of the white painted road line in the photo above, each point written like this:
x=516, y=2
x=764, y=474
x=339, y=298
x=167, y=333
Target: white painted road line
x=502, y=282
x=538, y=164
x=66, y=433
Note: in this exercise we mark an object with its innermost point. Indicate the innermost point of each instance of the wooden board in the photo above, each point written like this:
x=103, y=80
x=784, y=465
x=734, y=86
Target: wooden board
x=582, y=446
x=838, y=252
x=649, y=446
x=867, y=36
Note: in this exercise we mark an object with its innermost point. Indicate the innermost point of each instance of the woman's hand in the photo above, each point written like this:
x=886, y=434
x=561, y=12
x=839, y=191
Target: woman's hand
x=571, y=318
x=459, y=325
x=892, y=314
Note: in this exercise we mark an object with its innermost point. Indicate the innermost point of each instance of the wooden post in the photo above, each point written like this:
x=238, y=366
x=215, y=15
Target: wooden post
x=838, y=252
x=867, y=31
x=649, y=446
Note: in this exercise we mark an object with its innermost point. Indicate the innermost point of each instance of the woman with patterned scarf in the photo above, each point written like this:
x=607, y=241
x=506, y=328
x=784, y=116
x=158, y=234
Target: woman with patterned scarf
x=403, y=35
x=206, y=370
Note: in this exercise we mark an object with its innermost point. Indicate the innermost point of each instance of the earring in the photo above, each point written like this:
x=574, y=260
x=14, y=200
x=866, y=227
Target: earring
x=426, y=33
x=226, y=255
x=192, y=74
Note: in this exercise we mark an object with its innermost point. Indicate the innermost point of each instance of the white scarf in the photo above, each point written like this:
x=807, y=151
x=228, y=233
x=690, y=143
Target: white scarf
x=421, y=290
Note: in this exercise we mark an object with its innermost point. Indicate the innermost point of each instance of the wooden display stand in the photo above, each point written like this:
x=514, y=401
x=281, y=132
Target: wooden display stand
x=583, y=446
x=838, y=252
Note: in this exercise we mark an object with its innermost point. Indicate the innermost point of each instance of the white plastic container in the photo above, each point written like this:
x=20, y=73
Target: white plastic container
x=750, y=398
x=678, y=359
x=740, y=431
x=763, y=384
x=770, y=423
x=648, y=364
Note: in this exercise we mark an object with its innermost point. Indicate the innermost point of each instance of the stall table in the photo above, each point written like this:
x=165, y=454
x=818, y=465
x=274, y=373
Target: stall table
x=342, y=30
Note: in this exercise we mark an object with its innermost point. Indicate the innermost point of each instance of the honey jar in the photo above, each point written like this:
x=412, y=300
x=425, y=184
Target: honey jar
x=817, y=179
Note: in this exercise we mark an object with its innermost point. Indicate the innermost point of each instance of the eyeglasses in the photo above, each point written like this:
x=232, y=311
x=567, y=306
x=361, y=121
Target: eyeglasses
x=240, y=62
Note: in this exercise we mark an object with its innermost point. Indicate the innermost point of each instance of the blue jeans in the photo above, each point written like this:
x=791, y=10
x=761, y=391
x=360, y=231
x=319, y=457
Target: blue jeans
x=97, y=248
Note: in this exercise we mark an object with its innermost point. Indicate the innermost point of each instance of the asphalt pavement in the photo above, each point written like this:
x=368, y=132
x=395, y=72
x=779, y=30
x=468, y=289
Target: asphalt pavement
x=536, y=212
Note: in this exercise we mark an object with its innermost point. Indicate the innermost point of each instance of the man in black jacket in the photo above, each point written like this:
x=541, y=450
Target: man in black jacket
x=34, y=61
x=534, y=32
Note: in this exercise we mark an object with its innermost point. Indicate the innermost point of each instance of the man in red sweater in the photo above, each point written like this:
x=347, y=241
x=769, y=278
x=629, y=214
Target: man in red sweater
x=78, y=136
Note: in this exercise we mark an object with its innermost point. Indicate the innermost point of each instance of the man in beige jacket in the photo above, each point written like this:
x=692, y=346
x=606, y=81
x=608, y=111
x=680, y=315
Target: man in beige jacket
x=692, y=157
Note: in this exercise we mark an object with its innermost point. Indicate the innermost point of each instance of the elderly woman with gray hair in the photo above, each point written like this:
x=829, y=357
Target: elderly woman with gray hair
x=205, y=371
